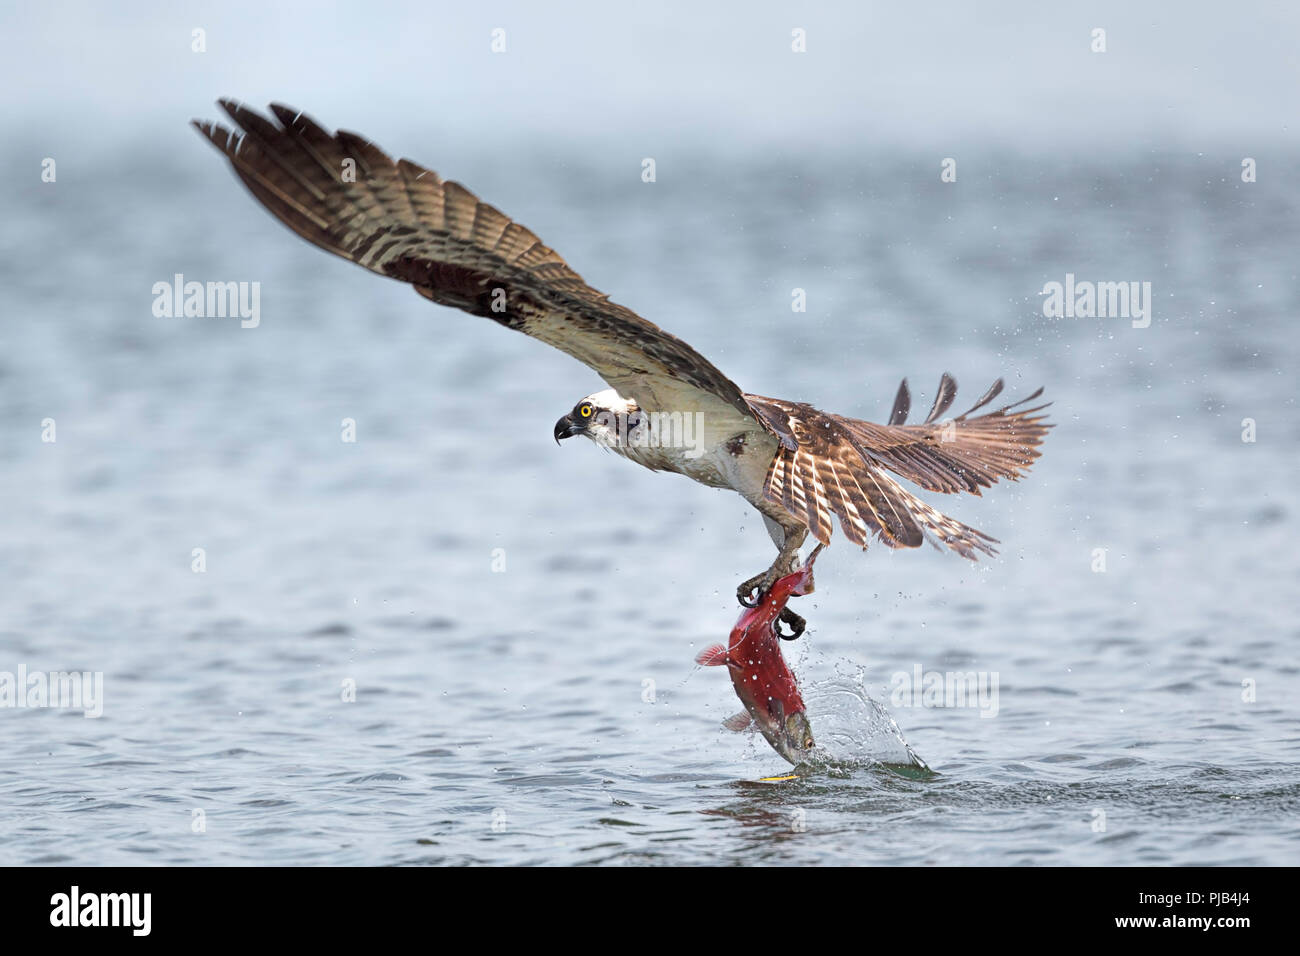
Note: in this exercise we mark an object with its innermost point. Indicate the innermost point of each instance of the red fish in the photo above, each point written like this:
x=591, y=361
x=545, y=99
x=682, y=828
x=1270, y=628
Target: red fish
x=763, y=682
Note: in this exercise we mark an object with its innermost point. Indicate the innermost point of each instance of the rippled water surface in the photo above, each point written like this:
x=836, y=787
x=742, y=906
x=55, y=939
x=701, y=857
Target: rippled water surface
x=519, y=620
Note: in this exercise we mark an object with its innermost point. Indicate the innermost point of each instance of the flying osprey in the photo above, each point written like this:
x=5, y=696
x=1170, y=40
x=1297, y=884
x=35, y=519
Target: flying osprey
x=798, y=466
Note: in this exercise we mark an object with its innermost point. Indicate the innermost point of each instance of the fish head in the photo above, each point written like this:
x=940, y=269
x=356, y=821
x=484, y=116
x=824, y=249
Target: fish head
x=796, y=738
x=789, y=733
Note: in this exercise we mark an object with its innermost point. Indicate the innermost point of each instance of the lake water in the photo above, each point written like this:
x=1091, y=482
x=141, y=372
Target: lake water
x=519, y=620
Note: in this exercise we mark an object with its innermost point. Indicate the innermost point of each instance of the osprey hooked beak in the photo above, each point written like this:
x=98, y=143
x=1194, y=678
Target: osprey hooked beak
x=577, y=421
x=566, y=427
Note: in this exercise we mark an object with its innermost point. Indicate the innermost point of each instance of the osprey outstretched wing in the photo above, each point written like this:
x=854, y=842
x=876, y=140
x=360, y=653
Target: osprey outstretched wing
x=798, y=466
x=837, y=466
x=344, y=194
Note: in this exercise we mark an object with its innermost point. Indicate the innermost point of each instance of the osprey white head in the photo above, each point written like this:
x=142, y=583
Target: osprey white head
x=606, y=417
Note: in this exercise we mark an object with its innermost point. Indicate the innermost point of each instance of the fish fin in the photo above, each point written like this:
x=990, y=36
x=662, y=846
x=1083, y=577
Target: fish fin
x=714, y=656
x=738, y=722
x=805, y=586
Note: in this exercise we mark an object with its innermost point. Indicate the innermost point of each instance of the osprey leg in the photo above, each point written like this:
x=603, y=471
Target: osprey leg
x=793, y=621
x=785, y=562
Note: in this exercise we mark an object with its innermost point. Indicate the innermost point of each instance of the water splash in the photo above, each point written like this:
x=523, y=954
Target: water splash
x=854, y=729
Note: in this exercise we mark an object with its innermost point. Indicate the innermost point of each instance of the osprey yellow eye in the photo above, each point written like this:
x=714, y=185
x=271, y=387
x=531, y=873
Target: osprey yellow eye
x=585, y=411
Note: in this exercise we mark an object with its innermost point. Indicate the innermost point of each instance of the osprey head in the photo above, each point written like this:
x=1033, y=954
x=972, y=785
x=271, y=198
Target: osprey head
x=605, y=417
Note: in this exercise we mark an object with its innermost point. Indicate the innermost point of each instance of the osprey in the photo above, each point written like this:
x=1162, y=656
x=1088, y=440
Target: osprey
x=798, y=466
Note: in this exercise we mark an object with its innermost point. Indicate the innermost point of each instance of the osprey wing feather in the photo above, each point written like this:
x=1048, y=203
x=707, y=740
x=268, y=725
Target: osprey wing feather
x=401, y=220
x=838, y=466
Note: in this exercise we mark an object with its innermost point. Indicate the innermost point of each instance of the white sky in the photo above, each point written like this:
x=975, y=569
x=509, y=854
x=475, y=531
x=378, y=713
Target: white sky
x=1019, y=73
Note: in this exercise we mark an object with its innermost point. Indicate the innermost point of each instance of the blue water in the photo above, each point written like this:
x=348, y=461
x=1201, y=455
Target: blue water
x=548, y=710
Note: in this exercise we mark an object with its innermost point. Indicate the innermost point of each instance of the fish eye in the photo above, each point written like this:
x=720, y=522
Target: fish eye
x=808, y=744
x=585, y=410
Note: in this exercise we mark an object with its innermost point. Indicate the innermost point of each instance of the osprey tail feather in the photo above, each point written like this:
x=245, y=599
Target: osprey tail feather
x=867, y=502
